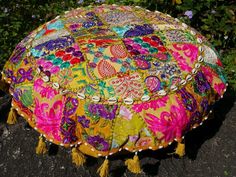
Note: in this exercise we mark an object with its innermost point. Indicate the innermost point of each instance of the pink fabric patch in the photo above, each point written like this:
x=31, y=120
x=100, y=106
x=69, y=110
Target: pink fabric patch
x=154, y=104
x=44, y=91
x=171, y=124
x=48, y=66
x=190, y=51
x=220, y=88
x=48, y=118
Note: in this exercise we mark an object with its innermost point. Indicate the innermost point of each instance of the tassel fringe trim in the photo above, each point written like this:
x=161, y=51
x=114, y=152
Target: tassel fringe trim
x=41, y=148
x=133, y=165
x=77, y=157
x=180, y=149
x=104, y=169
x=12, y=117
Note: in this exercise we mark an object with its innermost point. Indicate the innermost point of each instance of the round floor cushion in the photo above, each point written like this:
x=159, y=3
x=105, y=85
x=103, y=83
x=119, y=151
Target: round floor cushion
x=109, y=78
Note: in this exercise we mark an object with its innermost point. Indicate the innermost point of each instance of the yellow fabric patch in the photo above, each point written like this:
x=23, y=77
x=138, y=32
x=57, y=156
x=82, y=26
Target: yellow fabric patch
x=124, y=128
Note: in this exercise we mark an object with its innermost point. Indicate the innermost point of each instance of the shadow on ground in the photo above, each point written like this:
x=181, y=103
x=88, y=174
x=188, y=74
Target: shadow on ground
x=196, y=138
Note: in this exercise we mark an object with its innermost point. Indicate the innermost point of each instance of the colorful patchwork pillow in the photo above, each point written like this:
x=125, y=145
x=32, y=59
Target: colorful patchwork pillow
x=110, y=78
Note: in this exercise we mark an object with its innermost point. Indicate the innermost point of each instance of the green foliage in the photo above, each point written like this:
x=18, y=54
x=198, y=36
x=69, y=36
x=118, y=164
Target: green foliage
x=215, y=19
x=229, y=62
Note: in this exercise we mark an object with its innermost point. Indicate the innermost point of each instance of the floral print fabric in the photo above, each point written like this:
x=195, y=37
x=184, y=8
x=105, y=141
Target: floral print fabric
x=114, y=77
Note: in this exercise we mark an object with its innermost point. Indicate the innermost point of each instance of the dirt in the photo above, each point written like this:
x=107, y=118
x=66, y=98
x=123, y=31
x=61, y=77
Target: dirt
x=210, y=151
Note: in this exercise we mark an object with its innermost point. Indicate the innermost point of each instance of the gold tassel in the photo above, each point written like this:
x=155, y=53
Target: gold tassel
x=104, y=169
x=41, y=148
x=180, y=149
x=133, y=164
x=77, y=157
x=12, y=116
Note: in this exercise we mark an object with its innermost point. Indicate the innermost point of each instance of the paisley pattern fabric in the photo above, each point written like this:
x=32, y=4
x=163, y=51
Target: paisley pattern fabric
x=114, y=77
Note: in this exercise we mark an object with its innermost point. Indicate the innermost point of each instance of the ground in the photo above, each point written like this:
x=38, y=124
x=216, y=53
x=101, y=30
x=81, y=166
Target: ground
x=210, y=151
